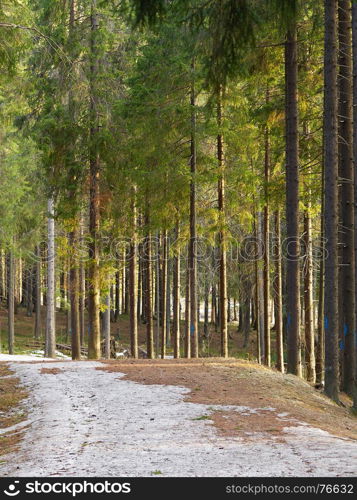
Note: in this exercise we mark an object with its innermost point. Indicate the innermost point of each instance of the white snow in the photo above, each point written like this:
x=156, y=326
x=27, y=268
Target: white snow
x=88, y=422
x=33, y=356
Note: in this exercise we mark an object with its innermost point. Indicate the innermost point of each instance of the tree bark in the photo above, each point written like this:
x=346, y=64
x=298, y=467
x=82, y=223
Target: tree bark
x=176, y=296
x=221, y=235
x=50, y=344
x=74, y=295
x=292, y=205
x=348, y=288
x=94, y=349
x=162, y=296
x=37, y=292
x=187, y=314
x=354, y=44
x=266, y=271
x=133, y=286
x=278, y=295
x=11, y=301
x=193, y=235
x=148, y=294
x=308, y=299
x=331, y=199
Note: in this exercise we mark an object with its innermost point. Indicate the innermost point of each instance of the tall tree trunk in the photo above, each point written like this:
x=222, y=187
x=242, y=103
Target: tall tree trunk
x=106, y=326
x=148, y=294
x=308, y=299
x=292, y=204
x=133, y=286
x=37, y=292
x=266, y=271
x=162, y=296
x=221, y=235
x=278, y=296
x=74, y=295
x=205, y=321
x=117, y=292
x=157, y=306
x=82, y=293
x=94, y=350
x=331, y=198
x=50, y=344
x=320, y=348
x=354, y=44
x=193, y=235
x=10, y=301
x=188, y=314
x=348, y=291
x=176, y=297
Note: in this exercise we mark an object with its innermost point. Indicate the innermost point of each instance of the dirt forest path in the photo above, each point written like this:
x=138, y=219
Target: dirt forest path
x=85, y=421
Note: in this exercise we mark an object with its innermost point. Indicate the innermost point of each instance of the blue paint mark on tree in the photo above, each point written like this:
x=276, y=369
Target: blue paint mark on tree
x=326, y=322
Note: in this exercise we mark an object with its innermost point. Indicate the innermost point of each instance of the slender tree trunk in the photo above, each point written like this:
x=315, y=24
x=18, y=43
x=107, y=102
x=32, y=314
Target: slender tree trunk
x=133, y=286
x=331, y=198
x=11, y=301
x=140, y=283
x=106, y=326
x=163, y=301
x=148, y=295
x=193, y=235
x=187, y=315
x=278, y=296
x=221, y=235
x=94, y=350
x=82, y=293
x=266, y=271
x=50, y=344
x=205, y=322
x=37, y=292
x=292, y=205
x=308, y=299
x=176, y=297
x=168, y=297
x=74, y=295
x=117, y=292
x=320, y=348
x=348, y=290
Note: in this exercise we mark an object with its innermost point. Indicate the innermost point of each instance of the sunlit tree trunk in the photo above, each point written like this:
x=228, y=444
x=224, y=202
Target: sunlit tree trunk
x=94, y=350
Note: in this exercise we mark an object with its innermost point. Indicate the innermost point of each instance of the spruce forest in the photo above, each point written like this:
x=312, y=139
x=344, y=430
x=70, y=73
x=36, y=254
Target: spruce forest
x=178, y=182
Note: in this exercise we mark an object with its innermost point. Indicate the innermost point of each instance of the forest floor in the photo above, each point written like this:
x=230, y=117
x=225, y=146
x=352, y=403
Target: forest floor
x=209, y=417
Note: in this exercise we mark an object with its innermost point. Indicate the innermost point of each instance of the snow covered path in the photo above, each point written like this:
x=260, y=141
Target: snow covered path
x=88, y=422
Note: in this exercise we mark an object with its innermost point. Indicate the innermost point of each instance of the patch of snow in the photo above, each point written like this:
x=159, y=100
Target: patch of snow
x=88, y=422
x=59, y=354
x=22, y=357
